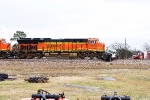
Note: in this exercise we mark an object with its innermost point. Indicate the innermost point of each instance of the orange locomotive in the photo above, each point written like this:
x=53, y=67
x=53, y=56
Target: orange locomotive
x=4, y=48
x=72, y=48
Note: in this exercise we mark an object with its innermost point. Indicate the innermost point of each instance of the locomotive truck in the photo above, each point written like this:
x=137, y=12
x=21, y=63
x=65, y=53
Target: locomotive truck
x=29, y=48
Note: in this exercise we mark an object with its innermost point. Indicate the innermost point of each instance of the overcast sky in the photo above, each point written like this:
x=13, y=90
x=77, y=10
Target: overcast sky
x=109, y=20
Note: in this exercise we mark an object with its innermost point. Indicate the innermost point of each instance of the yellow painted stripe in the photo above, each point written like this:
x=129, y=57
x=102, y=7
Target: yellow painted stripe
x=92, y=49
x=62, y=42
x=39, y=49
x=3, y=49
x=59, y=43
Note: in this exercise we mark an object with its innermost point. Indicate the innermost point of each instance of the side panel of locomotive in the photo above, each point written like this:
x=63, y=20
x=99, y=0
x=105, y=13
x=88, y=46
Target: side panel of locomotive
x=73, y=48
x=63, y=45
x=81, y=47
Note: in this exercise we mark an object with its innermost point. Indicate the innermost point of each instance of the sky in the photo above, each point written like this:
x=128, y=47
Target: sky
x=109, y=20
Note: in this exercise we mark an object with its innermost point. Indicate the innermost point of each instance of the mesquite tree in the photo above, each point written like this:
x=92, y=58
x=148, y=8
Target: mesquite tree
x=122, y=50
x=17, y=35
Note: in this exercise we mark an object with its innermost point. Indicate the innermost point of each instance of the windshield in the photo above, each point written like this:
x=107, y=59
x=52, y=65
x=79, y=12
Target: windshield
x=3, y=41
x=109, y=51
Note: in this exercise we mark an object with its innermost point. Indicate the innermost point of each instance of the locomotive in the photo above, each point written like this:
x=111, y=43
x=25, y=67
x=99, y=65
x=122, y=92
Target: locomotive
x=29, y=48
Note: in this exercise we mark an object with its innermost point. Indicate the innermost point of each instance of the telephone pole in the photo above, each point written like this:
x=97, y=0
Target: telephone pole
x=125, y=49
x=125, y=43
x=0, y=31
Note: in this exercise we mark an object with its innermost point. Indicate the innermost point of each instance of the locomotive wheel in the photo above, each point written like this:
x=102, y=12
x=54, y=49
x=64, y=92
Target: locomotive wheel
x=99, y=56
x=4, y=56
x=30, y=56
x=82, y=55
x=91, y=55
x=39, y=56
x=22, y=56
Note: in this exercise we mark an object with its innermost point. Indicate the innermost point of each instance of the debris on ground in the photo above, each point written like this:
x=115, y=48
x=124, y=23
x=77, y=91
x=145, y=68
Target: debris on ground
x=91, y=89
x=44, y=95
x=37, y=79
x=106, y=78
x=115, y=97
x=3, y=76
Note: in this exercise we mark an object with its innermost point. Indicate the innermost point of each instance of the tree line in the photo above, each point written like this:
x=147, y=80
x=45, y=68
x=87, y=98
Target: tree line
x=122, y=50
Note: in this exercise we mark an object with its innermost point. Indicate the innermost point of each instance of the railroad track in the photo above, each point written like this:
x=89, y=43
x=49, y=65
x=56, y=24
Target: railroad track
x=44, y=58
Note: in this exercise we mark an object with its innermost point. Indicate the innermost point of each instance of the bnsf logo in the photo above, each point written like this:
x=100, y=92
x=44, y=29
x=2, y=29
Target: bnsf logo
x=53, y=45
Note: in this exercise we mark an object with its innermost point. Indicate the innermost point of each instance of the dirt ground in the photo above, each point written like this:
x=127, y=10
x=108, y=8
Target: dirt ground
x=78, y=79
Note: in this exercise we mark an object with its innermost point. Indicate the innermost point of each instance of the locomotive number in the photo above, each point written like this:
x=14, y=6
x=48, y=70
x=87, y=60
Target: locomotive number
x=53, y=45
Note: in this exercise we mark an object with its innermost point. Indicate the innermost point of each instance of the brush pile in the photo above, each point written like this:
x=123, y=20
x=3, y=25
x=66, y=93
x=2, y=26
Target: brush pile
x=37, y=79
x=3, y=76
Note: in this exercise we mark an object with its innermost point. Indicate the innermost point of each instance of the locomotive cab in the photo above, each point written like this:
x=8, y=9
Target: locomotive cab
x=92, y=44
x=95, y=45
x=95, y=48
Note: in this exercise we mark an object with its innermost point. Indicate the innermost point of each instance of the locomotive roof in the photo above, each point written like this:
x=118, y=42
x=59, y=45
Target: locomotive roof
x=51, y=40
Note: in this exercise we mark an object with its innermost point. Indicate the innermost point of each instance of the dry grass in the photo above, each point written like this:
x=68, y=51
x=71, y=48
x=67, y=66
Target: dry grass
x=77, y=78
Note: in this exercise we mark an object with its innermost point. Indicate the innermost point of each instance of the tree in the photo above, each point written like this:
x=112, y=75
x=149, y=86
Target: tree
x=17, y=35
x=116, y=46
x=135, y=52
x=124, y=53
x=122, y=50
x=146, y=47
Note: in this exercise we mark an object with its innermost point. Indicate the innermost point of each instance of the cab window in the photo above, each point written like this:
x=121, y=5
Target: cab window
x=3, y=41
x=92, y=42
